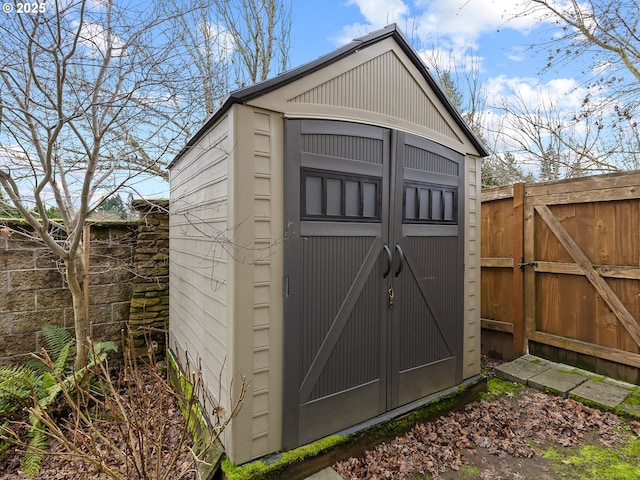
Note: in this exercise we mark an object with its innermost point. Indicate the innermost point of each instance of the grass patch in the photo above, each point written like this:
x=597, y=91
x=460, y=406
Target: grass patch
x=470, y=471
x=497, y=387
x=595, y=461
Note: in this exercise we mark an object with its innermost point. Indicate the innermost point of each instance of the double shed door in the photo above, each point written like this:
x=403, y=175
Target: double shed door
x=373, y=274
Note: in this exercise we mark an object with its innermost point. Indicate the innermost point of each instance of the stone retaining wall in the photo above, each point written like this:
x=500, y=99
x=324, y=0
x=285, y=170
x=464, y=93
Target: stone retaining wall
x=149, y=312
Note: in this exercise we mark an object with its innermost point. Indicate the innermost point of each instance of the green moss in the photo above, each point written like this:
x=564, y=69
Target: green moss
x=631, y=405
x=497, y=387
x=590, y=403
x=594, y=461
x=405, y=423
x=189, y=406
x=571, y=371
x=553, y=390
x=260, y=469
x=470, y=471
x=634, y=398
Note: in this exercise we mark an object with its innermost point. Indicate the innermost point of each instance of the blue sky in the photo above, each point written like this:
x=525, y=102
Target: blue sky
x=494, y=35
x=482, y=29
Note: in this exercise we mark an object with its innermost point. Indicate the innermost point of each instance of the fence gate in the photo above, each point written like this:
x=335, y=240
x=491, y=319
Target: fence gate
x=581, y=264
x=373, y=274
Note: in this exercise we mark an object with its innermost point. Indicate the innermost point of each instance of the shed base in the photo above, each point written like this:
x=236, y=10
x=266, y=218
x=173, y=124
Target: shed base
x=366, y=435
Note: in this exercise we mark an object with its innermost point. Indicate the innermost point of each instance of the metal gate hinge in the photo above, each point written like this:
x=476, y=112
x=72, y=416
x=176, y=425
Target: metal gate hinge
x=523, y=264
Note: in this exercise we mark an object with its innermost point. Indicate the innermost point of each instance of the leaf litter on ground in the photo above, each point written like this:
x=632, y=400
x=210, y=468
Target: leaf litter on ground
x=504, y=427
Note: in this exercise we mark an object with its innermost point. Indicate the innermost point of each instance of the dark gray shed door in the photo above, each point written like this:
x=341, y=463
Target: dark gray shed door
x=373, y=274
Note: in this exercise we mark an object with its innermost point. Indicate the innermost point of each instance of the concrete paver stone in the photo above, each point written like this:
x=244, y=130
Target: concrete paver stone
x=631, y=405
x=522, y=369
x=604, y=393
x=326, y=474
x=557, y=380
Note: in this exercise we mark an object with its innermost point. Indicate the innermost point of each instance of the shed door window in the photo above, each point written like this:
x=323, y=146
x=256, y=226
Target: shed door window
x=427, y=203
x=339, y=197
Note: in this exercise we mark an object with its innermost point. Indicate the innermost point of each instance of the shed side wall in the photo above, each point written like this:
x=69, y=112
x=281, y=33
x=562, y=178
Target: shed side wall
x=199, y=258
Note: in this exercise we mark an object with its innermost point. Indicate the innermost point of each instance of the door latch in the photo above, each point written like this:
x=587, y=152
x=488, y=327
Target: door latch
x=523, y=264
x=392, y=296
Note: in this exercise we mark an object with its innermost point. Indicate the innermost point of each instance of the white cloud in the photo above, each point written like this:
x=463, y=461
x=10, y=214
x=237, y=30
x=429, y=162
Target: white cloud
x=219, y=43
x=463, y=21
x=379, y=13
x=376, y=14
x=468, y=19
x=452, y=27
x=97, y=40
x=516, y=54
x=565, y=93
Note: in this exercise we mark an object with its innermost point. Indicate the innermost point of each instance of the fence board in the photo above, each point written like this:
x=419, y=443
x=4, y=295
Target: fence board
x=501, y=251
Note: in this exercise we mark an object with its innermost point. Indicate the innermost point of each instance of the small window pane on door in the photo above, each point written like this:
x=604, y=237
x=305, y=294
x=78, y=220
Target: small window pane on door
x=352, y=198
x=370, y=199
x=436, y=205
x=313, y=196
x=423, y=202
x=449, y=205
x=411, y=207
x=334, y=197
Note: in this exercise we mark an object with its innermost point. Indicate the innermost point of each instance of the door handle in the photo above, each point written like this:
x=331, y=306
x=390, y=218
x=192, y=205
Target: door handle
x=387, y=250
x=401, y=258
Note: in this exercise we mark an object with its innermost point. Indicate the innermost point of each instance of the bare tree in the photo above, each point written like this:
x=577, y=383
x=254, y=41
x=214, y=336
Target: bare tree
x=601, y=37
x=261, y=34
x=598, y=33
x=564, y=143
x=84, y=110
x=228, y=44
x=206, y=49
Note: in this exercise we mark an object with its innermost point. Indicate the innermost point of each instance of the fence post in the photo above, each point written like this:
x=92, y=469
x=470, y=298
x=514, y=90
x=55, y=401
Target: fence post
x=519, y=339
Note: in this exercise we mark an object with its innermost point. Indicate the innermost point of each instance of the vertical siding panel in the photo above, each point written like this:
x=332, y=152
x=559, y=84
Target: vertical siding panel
x=384, y=86
x=471, y=348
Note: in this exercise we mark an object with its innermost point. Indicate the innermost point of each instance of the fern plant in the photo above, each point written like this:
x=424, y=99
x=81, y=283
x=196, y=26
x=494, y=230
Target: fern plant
x=17, y=384
x=40, y=383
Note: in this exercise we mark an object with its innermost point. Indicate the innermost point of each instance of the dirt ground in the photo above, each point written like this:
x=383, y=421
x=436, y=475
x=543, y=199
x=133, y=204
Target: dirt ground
x=513, y=433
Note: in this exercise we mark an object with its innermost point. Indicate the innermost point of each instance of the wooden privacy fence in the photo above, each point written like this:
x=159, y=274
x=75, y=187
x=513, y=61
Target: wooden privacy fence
x=561, y=272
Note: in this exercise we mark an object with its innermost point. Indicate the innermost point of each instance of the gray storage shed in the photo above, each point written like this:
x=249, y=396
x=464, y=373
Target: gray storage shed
x=325, y=243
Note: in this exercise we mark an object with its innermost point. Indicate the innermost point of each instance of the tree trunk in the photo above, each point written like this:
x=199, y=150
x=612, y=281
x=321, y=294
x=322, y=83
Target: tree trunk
x=75, y=270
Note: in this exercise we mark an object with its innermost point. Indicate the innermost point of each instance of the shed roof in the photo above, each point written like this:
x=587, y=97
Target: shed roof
x=246, y=94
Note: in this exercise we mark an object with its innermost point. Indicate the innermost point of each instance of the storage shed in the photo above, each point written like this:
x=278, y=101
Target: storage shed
x=325, y=244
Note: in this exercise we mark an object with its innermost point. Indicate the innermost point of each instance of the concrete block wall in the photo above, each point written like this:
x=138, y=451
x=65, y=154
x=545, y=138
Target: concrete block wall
x=129, y=283
x=33, y=289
